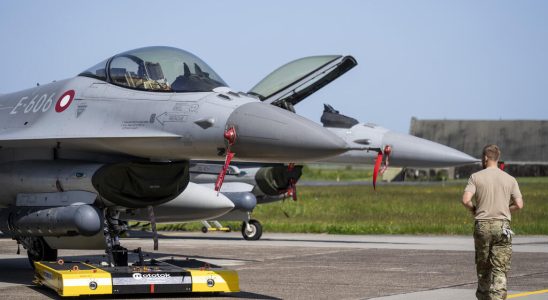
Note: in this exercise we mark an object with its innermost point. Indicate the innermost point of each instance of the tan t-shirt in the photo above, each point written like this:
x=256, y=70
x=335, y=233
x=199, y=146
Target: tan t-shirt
x=495, y=190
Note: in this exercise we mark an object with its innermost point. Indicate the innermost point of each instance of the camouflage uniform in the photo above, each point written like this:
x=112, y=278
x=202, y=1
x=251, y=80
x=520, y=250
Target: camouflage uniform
x=495, y=191
x=493, y=244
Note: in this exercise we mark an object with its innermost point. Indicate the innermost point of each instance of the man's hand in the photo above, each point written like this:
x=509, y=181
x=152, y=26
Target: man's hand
x=473, y=210
x=516, y=205
x=467, y=202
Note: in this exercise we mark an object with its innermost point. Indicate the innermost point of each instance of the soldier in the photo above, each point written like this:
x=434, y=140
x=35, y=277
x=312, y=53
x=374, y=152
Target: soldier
x=497, y=195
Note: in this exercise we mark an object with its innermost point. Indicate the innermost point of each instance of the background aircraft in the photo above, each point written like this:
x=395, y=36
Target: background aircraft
x=256, y=184
x=248, y=185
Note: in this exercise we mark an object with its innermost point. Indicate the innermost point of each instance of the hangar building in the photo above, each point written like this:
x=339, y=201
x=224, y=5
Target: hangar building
x=524, y=143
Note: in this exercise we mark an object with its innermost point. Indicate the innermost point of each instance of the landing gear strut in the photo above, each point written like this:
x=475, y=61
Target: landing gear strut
x=113, y=227
x=252, y=230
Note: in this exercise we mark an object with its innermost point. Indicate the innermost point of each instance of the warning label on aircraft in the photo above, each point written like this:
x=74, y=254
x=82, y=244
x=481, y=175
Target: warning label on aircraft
x=134, y=124
x=186, y=107
x=171, y=117
x=80, y=109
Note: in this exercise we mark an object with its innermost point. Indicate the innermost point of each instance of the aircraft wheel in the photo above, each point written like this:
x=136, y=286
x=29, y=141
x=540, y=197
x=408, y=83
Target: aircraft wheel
x=204, y=229
x=255, y=232
x=42, y=252
x=228, y=229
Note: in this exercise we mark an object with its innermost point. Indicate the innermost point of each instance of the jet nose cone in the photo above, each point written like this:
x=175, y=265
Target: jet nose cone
x=411, y=151
x=269, y=133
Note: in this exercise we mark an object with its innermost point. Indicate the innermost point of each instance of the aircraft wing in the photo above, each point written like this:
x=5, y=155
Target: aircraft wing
x=128, y=142
x=14, y=135
x=294, y=81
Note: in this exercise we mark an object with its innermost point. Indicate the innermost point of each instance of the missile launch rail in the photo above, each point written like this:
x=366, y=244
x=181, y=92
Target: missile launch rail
x=169, y=276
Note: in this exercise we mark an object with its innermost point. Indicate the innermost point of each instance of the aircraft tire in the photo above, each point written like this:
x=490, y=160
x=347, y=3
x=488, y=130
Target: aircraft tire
x=256, y=230
x=45, y=252
x=204, y=229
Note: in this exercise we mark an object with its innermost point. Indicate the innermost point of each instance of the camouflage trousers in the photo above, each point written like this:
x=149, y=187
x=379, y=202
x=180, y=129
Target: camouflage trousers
x=493, y=243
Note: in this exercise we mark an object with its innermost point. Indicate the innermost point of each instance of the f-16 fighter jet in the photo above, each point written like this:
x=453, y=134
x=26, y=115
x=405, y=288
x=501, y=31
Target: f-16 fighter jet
x=82, y=156
x=248, y=185
x=374, y=145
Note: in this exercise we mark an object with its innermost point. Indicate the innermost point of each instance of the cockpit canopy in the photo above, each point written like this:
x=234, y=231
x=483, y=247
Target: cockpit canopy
x=157, y=69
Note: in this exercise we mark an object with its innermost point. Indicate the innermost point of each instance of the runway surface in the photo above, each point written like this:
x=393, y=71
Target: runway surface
x=321, y=266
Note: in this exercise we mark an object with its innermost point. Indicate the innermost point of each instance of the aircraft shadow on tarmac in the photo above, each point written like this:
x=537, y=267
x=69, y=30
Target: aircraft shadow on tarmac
x=18, y=271
x=145, y=234
x=240, y=295
x=337, y=241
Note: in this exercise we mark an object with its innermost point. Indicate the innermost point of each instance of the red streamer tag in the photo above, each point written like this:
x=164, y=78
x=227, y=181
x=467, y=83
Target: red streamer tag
x=221, y=177
x=230, y=137
x=378, y=162
x=387, y=151
x=292, y=190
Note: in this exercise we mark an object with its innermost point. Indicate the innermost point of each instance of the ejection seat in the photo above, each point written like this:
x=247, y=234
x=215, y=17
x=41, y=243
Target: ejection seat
x=118, y=76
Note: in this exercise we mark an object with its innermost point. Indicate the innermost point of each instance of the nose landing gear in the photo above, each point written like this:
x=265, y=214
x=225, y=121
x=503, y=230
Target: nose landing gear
x=252, y=230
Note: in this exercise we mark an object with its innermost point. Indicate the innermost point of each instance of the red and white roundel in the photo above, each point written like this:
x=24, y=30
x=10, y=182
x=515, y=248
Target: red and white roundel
x=64, y=101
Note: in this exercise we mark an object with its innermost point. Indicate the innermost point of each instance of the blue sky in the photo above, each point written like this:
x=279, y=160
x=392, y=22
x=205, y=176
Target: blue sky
x=428, y=59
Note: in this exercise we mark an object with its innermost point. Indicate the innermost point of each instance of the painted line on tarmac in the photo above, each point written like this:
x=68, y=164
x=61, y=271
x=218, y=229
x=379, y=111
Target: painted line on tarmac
x=525, y=294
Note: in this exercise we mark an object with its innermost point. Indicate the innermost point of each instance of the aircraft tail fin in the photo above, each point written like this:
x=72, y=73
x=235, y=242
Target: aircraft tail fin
x=333, y=118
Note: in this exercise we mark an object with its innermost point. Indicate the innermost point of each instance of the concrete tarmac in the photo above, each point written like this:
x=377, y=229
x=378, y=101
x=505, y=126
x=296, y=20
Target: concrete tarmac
x=321, y=266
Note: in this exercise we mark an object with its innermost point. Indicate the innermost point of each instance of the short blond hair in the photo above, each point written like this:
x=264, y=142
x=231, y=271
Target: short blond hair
x=492, y=152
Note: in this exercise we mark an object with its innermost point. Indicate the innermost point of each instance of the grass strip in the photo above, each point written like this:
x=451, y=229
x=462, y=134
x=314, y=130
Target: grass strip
x=393, y=209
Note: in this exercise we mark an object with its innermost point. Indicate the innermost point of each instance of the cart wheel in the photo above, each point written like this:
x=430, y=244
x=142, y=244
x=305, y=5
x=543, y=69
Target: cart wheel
x=255, y=230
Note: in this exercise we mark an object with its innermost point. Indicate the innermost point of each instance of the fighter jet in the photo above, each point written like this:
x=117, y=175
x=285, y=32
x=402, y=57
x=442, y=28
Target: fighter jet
x=248, y=185
x=251, y=184
x=372, y=144
x=82, y=156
